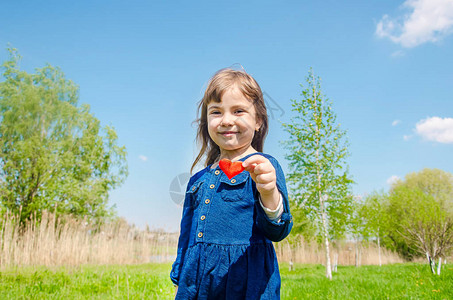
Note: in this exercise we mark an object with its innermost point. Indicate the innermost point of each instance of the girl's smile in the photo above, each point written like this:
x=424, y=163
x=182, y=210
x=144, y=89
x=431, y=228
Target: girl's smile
x=228, y=133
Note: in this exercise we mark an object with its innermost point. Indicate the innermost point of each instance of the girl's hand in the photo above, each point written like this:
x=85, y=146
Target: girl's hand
x=263, y=173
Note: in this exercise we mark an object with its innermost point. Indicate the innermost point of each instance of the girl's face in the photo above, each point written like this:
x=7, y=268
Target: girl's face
x=232, y=122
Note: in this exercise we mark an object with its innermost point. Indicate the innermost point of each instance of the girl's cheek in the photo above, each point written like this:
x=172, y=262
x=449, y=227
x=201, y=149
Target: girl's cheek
x=244, y=124
x=241, y=122
x=213, y=120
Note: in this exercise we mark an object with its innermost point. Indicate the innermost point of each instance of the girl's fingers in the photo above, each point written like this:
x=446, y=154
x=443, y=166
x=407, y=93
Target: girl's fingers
x=258, y=164
x=261, y=169
x=265, y=169
x=264, y=178
x=254, y=159
x=250, y=168
x=265, y=186
x=262, y=172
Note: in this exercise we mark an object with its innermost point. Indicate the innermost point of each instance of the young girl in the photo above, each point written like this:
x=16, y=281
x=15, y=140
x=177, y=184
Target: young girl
x=225, y=249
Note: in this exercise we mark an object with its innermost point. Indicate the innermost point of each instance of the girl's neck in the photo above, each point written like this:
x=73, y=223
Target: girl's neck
x=233, y=155
x=236, y=154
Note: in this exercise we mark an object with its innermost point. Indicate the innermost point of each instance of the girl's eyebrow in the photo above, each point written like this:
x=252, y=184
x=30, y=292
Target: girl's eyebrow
x=241, y=106
x=213, y=106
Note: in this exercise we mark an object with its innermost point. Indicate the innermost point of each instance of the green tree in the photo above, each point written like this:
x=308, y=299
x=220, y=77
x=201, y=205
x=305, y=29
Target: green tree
x=318, y=177
x=420, y=210
x=357, y=227
x=374, y=218
x=303, y=229
x=54, y=153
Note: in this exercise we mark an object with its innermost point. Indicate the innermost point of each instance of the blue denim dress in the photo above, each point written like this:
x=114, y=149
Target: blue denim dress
x=225, y=248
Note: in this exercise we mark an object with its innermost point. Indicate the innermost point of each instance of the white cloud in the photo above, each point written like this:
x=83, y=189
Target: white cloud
x=436, y=129
x=143, y=158
x=398, y=53
x=407, y=137
x=427, y=21
x=392, y=179
x=396, y=122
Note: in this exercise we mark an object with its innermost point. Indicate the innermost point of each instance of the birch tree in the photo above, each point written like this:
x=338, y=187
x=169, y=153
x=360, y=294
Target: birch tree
x=317, y=152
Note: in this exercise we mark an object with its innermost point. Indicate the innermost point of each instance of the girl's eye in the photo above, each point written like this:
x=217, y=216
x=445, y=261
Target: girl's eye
x=240, y=111
x=214, y=112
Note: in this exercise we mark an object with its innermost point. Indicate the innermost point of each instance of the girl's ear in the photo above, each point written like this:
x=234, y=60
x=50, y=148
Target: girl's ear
x=258, y=124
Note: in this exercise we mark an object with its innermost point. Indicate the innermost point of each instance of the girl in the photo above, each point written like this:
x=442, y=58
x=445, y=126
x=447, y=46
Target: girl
x=225, y=249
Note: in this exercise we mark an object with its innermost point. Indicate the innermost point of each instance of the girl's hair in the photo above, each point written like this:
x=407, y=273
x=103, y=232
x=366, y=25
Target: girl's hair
x=223, y=80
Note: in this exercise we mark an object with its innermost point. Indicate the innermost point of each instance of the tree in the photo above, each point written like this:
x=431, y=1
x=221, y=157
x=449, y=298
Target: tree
x=372, y=212
x=54, y=154
x=357, y=227
x=420, y=211
x=318, y=177
x=303, y=229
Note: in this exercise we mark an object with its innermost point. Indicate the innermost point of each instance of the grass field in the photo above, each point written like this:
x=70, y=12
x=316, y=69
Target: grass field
x=399, y=281
x=150, y=281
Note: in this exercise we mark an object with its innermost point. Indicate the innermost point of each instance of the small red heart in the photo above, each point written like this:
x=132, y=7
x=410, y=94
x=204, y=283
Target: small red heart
x=230, y=168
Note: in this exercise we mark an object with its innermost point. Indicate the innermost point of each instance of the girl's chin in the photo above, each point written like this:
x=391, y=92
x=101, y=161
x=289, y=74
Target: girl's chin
x=230, y=148
x=233, y=148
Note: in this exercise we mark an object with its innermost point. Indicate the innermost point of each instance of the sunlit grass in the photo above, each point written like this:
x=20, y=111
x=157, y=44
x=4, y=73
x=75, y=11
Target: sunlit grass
x=151, y=281
x=398, y=281
x=148, y=281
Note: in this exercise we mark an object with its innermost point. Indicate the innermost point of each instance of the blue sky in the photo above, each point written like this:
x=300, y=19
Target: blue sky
x=142, y=66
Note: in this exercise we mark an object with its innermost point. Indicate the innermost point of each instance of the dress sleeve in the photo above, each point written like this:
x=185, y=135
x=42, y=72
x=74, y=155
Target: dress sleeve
x=276, y=230
x=183, y=241
x=274, y=214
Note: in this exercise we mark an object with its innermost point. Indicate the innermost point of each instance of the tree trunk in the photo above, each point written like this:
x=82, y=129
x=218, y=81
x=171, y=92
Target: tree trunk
x=326, y=242
x=360, y=255
x=379, y=249
x=439, y=266
x=291, y=255
x=356, y=252
x=431, y=262
x=321, y=196
x=335, y=262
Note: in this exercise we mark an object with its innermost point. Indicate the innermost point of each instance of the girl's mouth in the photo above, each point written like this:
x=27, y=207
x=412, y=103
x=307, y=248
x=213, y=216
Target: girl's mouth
x=228, y=133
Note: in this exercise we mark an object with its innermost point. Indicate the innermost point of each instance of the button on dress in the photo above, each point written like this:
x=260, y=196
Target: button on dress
x=225, y=248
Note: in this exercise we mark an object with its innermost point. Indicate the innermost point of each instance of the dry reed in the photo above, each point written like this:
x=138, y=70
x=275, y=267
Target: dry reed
x=66, y=241
x=343, y=253
x=62, y=240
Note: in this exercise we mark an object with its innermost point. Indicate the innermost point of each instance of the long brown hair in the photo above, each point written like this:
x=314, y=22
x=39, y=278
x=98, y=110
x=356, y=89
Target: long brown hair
x=223, y=80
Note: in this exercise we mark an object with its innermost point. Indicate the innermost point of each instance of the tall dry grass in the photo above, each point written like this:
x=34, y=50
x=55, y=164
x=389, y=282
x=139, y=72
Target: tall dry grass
x=62, y=240
x=341, y=253
x=66, y=241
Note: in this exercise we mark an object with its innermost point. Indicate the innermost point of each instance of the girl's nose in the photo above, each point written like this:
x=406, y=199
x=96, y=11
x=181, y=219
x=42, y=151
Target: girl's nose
x=227, y=120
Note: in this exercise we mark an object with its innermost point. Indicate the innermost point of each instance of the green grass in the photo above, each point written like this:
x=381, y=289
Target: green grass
x=148, y=281
x=151, y=281
x=399, y=281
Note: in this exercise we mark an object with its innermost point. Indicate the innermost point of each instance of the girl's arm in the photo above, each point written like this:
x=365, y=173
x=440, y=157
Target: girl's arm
x=183, y=241
x=270, y=183
x=274, y=214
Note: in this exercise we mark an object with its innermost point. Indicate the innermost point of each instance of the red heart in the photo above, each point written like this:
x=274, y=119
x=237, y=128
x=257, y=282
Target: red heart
x=230, y=168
